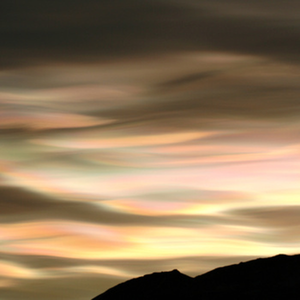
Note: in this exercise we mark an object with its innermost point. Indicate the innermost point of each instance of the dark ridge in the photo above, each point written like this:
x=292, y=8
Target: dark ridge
x=163, y=285
x=276, y=277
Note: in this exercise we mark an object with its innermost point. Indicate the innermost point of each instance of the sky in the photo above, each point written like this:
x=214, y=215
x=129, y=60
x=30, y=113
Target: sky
x=141, y=136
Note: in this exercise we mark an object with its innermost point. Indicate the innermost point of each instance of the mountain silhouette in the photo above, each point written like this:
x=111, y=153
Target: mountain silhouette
x=275, y=277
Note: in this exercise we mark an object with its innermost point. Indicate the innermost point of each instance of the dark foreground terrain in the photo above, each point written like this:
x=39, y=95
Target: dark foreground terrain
x=276, y=277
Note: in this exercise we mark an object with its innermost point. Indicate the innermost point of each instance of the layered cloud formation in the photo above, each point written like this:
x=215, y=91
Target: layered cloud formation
x=139, y=136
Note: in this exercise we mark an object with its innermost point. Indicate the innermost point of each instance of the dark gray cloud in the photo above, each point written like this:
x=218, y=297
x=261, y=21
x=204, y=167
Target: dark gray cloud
x=17, y=205
x=38, y=31
x=278, y=224
x=208, y=97
x=274, y=216
x=190, y=78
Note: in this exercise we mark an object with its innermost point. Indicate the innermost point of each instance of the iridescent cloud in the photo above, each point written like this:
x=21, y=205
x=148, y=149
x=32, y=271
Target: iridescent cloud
x=173, y=143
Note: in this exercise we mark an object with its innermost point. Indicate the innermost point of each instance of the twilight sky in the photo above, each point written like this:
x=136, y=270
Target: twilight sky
x=140, y=136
